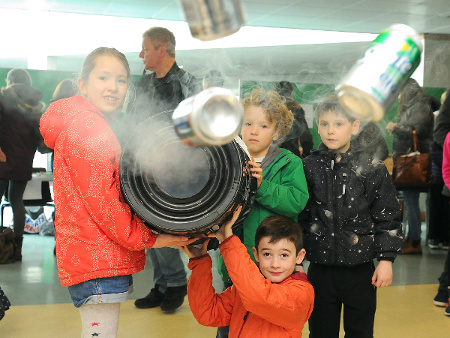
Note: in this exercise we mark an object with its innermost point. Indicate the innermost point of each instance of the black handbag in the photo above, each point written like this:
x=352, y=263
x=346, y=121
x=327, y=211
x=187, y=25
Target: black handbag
x=412, y=170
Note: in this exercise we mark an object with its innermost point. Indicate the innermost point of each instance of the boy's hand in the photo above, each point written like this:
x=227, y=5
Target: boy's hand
x=226, y=230
x=256, y=171
x=390, y=126
x=194, y=251
x=382, y=276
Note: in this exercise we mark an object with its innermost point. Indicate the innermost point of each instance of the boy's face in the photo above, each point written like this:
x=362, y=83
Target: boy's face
x=257, y=132
x=277, y=260
x=336, y=131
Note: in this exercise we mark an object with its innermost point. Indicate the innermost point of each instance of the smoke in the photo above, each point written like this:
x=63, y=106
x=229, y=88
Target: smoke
x=155, y=152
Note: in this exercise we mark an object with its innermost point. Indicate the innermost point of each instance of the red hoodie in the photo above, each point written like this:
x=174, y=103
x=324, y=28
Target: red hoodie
x=96, y=233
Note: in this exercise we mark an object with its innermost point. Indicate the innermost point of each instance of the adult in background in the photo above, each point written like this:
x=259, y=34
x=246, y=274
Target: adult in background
x=372, y=141
x=414, y=112
x=159, y=91
x=66, y=88
x=299, y=140
x=20, y=111
x=213, y=78
x=439, y=209
x=441, y=129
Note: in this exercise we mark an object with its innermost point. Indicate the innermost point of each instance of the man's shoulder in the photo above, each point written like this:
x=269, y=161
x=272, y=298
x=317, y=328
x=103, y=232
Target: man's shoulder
x=144, y=80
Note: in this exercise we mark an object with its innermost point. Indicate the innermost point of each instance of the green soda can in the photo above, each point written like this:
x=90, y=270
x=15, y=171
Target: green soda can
x=374, y=82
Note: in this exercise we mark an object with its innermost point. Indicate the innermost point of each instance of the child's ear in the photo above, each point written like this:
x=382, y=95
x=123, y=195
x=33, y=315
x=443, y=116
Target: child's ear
x=300, y=256
x=255, y=253
x=275, y=136
x=355, y=127
x=82, y=86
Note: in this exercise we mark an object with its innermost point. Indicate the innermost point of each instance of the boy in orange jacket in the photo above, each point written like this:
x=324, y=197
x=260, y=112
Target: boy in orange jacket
x=271, y=301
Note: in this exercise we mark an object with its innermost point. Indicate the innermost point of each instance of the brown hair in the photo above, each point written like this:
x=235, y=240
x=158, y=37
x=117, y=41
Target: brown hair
x=89, y=61
x=274, y=108
x=280, y=227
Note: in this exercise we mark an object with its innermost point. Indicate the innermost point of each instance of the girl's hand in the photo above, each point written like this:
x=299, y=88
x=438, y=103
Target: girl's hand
x=163, y=240
x=226, y=230
x=194, y=251
x=256, y=171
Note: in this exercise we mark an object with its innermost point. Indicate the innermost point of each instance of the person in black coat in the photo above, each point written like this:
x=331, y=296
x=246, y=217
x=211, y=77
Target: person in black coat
x=20, y=111
x=299, y=140
x=351, y=218
x=157, y=94
x=371, y=139
x=414, y=112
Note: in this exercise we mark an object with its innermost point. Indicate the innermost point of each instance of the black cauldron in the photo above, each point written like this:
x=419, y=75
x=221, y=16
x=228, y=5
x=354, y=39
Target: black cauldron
x=183, y=190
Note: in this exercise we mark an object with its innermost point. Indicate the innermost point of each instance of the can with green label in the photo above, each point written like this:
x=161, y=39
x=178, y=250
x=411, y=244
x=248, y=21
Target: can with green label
x=374, y=82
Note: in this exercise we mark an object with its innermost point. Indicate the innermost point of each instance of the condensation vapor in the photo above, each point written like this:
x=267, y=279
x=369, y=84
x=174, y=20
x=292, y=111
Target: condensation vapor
x=155, y=151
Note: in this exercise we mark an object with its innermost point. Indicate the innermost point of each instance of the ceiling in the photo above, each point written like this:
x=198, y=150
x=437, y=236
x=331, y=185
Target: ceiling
x=312, y=63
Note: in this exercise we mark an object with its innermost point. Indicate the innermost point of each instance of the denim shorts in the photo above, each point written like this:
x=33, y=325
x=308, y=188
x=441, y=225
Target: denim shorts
x=102, y=290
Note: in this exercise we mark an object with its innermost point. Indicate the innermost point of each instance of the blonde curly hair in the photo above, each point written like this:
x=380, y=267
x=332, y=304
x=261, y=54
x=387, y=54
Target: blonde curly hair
x=274, y=108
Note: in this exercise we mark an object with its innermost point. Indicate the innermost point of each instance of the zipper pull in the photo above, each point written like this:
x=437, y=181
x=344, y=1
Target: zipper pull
x=344, y=176
x=332, y=164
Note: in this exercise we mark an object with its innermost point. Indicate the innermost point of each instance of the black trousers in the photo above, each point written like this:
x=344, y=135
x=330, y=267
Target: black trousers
x=15, y=197
x=337, y=286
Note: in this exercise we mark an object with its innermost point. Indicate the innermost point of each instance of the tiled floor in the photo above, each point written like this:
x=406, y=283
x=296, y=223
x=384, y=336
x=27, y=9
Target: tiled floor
x=41, y=307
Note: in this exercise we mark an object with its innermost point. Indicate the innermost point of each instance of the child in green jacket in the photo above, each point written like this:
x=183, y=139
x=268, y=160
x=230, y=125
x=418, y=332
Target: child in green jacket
x=282, y=188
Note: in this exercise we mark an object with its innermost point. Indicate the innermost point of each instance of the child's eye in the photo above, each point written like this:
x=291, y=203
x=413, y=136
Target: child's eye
x=323, y=124
x=284, y=255
x=339, y=124
x=122, y=81
x=266, y=254
x=103, y=78
x=247, y=124
x=263, y=126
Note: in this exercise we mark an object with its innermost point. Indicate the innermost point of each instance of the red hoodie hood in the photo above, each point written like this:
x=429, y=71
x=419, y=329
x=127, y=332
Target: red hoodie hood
x=60, y=115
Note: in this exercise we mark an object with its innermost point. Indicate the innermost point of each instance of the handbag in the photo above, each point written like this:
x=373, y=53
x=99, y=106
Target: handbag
x=7, y=244
x=412, y=170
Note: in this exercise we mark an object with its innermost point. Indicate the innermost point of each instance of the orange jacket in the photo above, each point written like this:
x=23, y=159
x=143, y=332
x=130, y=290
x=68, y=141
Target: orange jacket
x=96, y=233
x=253, y=306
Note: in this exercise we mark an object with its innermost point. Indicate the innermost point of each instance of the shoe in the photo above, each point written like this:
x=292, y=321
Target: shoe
x=441, y=298
x=447, y=309
x=173, y=298
x=433, y=244
x=411, y=249
x=153, y=299
x=444, y=246
x=18, y=249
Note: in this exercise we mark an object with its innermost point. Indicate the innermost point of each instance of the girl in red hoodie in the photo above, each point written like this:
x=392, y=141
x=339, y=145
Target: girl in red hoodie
x=99, y=243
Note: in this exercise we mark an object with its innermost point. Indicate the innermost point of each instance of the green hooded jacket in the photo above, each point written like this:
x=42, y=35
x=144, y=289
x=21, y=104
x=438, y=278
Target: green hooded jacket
x=283, y=191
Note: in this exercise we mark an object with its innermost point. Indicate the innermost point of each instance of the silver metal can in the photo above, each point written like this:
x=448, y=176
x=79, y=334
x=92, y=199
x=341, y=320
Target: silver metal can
x=212, y=117
x=374, y=82
x=213, y=19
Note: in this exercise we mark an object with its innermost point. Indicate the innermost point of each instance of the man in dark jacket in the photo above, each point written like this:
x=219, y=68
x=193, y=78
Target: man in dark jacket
x=20, y=111
x=299, y=140
x=157, y=92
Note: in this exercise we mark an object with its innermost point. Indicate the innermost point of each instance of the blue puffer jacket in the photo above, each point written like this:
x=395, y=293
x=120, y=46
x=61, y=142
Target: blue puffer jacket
x=352, y=215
